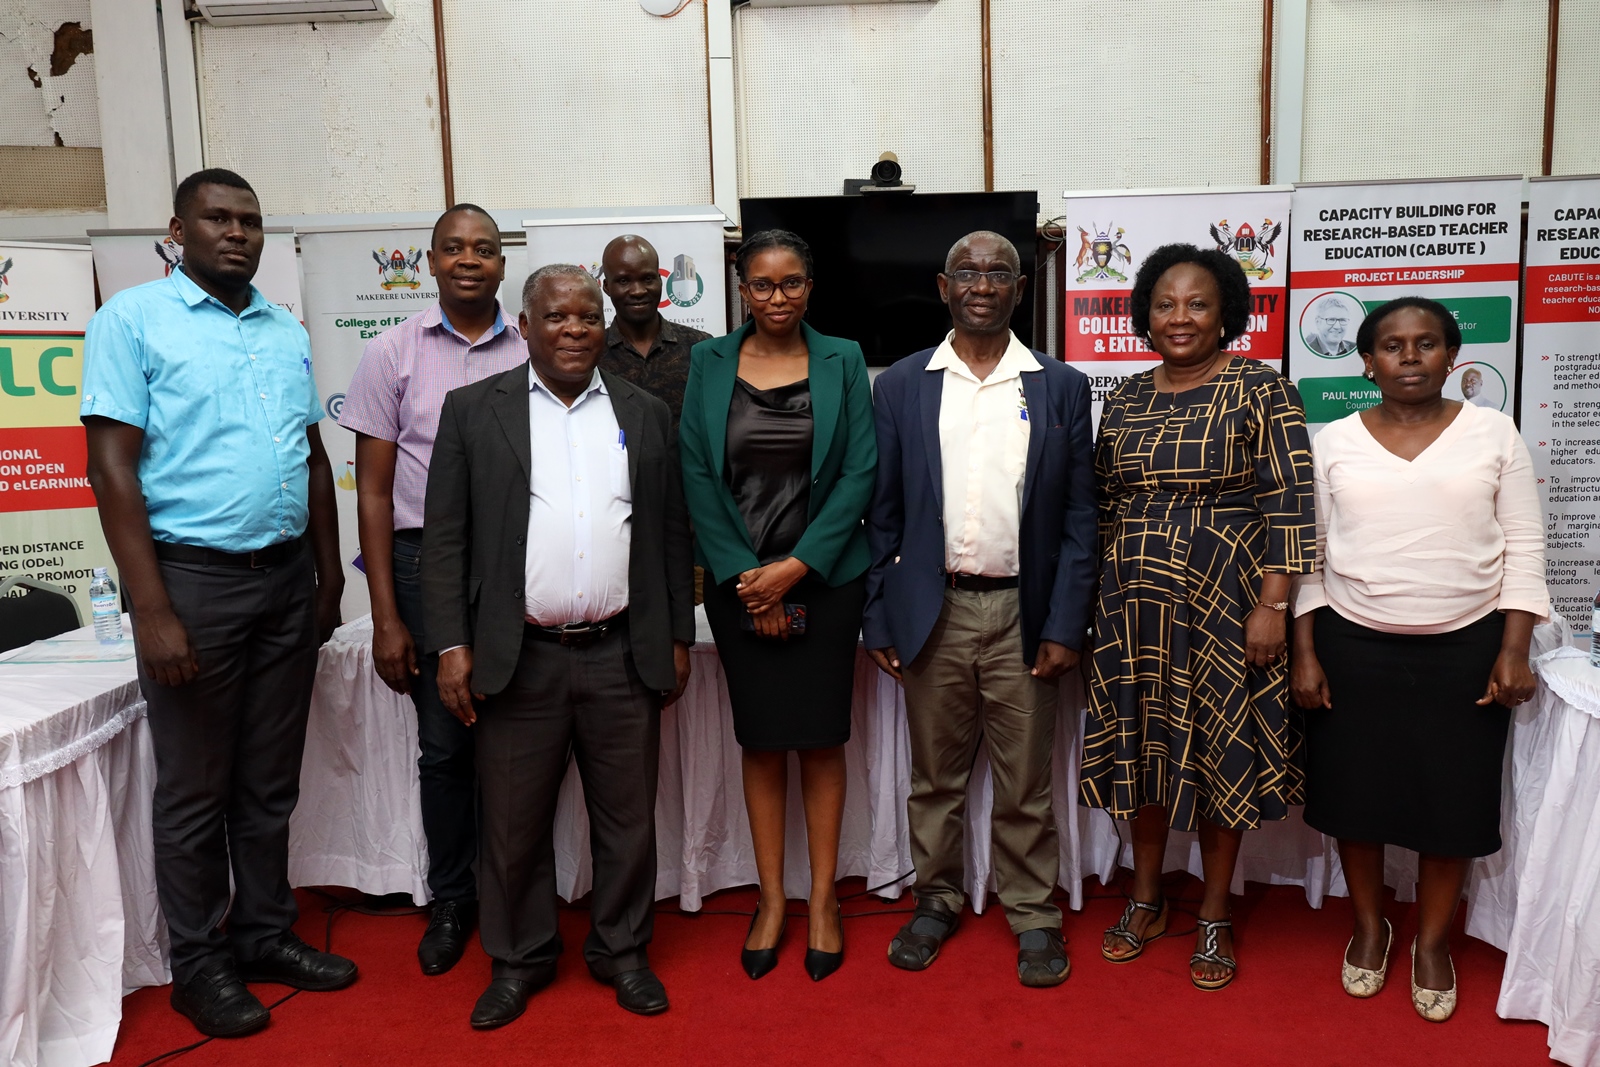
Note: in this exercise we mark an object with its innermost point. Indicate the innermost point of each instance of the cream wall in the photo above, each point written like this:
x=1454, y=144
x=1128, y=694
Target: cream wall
x=596, y=103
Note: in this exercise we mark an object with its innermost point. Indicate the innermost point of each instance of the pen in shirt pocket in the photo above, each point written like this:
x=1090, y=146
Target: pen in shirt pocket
x=622, y=439
x=1022, y=404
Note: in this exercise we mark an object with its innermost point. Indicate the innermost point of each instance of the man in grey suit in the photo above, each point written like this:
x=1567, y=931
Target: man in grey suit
x=558, y=582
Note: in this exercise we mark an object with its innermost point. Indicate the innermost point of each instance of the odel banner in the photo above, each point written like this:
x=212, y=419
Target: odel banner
x=125, y=258
x=1110, y=234
x=49, y=528
x=358, y=284
x=1356, y=246
x=694, y=290
x=1561, y=383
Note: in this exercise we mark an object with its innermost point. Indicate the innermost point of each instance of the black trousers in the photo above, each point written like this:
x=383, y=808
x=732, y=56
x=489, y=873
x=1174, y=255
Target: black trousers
x=445, y=766
x=228, y=748
x=591, y=702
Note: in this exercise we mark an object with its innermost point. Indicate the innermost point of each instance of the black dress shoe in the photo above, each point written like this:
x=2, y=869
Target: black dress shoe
x=502, y=1002
x=218, y=1003
x=820, y=964
x=449, y=929
x=758, y=961
x=292, y=962
x=640, y=992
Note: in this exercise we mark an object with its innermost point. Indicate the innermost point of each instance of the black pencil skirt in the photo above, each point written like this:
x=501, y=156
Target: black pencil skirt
x=795, y=693
x=1405, y=756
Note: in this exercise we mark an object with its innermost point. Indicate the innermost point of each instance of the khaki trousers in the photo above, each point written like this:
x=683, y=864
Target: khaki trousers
x=969, y=682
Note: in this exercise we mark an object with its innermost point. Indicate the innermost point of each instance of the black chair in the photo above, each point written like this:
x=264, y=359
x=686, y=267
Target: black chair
x=42, y=610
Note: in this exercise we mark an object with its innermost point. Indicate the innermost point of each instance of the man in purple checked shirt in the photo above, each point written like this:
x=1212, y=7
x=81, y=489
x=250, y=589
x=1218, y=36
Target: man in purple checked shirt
x=393, y=406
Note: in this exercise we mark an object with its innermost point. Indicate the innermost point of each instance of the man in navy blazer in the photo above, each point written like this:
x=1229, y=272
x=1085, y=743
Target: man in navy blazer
x=982, y=532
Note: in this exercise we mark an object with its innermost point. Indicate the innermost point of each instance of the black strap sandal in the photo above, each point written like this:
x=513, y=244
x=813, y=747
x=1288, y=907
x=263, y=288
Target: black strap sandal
x=917, y=944
x=1122, y=931
x=1209, y=954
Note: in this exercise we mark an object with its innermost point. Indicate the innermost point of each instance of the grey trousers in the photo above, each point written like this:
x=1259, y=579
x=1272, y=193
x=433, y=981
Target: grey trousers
x=589, y=701
x=968, y=682
x=228, y=748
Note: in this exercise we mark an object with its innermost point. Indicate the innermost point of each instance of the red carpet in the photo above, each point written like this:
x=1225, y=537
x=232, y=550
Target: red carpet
x=1286, y=1006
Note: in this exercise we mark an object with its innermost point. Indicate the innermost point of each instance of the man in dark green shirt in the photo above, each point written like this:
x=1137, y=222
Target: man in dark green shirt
x=642, y=346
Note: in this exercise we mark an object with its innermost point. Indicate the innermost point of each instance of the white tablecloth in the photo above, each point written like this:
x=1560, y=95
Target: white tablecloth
x=1552, y=942
x=76, y=772
x=359, y=821
x=79, y=922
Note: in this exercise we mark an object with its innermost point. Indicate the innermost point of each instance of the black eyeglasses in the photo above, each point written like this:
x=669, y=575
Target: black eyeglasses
x=1000, y=279
x=762, y=290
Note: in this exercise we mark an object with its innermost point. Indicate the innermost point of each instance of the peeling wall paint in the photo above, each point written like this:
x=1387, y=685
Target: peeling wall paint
x=48, y=94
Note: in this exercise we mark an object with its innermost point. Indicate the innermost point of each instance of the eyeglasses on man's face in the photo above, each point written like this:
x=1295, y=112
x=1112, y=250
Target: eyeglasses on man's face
x=1000, y=279
x=762, y=289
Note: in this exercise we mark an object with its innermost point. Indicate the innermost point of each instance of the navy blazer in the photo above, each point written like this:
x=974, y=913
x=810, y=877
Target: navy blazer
x=905, y=528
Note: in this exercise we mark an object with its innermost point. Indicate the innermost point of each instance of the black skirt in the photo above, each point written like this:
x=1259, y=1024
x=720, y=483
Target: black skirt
x=1405, y=756
x=791, y=694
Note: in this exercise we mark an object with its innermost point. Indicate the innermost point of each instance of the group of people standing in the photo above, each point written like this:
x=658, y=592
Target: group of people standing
x=542, y=502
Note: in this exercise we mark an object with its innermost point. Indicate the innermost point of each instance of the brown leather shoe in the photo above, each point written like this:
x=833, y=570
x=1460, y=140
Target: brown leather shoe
x=917, y=944
x=1042, y=959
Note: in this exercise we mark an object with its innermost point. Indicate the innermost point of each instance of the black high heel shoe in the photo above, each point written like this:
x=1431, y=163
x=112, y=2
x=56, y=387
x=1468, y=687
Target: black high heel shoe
x=758, y=961
x=820, y=964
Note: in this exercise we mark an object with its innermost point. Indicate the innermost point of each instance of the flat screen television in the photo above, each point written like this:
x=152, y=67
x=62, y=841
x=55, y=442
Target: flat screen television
x=878, y=255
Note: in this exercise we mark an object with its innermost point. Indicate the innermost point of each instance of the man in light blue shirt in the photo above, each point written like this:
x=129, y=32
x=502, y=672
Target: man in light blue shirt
x=217, y=501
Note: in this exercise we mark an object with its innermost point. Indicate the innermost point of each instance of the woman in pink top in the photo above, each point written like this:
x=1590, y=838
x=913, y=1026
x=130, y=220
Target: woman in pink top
x=1411, y=642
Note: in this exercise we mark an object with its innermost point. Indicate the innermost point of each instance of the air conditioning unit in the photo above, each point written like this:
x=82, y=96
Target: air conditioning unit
x=256, y=12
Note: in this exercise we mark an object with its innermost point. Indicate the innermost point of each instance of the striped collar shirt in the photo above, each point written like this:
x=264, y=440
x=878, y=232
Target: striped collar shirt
x=400, y=384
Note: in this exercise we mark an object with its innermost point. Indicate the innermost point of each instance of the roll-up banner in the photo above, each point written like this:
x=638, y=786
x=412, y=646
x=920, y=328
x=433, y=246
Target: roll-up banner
x=1561, y=383
x=1358, y=245
x=358, y=284
x=1110, y=234
x=49, y=528
x=694, y=290
x=125, y=258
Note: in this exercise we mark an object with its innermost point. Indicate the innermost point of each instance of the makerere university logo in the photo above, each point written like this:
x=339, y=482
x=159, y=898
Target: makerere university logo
x=1251, y=247
x=5, y=268
x=397, y=269
x=1100, y=252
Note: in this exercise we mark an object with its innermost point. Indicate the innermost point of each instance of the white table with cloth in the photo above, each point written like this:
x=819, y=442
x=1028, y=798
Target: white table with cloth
x=76, y=771
x=79, y=921
x=1548, y=876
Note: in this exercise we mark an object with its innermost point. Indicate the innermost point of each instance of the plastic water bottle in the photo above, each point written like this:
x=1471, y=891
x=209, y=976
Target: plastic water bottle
x=103, y=604
x=1594, y=634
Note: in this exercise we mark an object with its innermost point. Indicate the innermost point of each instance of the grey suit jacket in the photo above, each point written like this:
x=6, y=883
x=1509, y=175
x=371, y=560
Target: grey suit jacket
x=476, y=526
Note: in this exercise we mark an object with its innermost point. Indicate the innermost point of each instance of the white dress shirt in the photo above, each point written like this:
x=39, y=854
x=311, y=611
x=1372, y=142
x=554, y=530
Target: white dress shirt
x=1433, y=544
x=983, y=447
x=580, y=507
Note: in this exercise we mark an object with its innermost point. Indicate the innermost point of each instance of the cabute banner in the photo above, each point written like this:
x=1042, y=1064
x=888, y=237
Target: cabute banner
x=1357, y=245
x=1560, y=366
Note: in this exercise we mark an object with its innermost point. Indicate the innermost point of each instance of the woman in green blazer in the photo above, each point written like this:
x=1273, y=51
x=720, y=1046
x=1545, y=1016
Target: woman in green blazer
x=779, y=458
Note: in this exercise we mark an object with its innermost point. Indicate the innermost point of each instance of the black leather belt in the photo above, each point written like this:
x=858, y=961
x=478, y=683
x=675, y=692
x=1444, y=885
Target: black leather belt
x=271, y=556
x=576, y=634
x=978, y=583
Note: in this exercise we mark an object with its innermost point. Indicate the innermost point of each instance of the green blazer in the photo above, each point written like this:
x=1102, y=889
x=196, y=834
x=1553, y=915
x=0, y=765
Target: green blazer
x=844, y=458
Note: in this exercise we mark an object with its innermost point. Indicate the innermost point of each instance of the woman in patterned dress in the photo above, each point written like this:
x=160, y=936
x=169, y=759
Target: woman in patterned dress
x=1206, y=508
